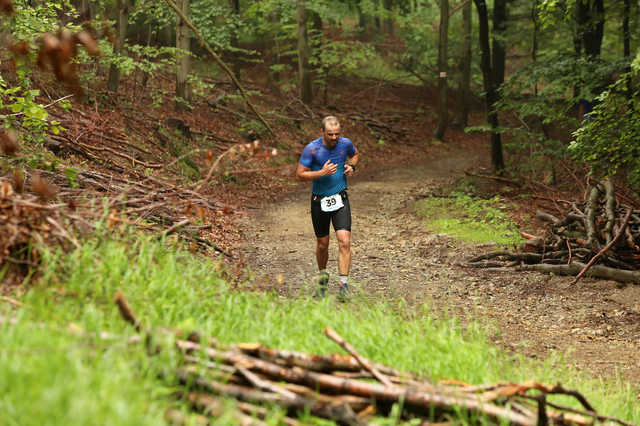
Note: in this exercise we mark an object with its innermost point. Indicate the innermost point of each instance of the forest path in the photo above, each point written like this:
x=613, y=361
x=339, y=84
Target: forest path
x=596, y=323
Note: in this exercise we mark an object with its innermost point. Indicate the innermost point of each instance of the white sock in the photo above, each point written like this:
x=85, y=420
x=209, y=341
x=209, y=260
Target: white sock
x=343, y=279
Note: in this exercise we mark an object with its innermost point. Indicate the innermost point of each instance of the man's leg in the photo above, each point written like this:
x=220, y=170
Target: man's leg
x=322, y=256
x=344, y=259
x=321, y=222
x=322, y=252
x=344, y=251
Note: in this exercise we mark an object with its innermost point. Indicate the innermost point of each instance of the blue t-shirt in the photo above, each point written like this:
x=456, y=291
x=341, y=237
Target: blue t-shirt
x=314, y=156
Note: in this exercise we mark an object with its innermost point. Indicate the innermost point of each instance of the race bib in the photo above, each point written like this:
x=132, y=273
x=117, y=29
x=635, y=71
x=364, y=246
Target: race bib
x=331, y=203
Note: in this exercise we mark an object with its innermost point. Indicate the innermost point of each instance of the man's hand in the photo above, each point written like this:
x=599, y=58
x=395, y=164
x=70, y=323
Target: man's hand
x=348, y=170
x=329, y=168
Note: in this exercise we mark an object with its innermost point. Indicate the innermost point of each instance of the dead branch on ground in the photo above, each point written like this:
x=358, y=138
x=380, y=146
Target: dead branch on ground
x=599, y=238
x=326, y=386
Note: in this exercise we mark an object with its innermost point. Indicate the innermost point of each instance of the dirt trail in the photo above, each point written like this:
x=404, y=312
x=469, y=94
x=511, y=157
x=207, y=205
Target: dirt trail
x=394, y=256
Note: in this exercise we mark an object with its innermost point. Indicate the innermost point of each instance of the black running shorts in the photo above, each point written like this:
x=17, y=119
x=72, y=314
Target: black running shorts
x=341, y=218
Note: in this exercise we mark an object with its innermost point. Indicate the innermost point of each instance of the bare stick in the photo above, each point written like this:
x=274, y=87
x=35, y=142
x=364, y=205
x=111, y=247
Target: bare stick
x=14, y=302
x=176, y=226
x=214, y=166
x=263, y=384
x=607, y=247
x=45, y=106
x=125, y=310
x=63, y=232
x=593, y=414
x=366, y=364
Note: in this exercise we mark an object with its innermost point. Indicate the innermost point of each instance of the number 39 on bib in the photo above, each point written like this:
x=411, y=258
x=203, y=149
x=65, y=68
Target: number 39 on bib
x=331, y=203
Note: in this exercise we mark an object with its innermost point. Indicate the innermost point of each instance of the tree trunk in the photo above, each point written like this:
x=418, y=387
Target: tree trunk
x=626, y=34
x=388, y=16
x=499, y=51
x=443, y=44
x=363, y=21
x=316, y=20
x=304, y=77
x=487, y=76
x=122, y=22
x=235, y=9
x=590, y=19
x=183, y=42
x=464, y=89
x=85, y=12
x=534, y=42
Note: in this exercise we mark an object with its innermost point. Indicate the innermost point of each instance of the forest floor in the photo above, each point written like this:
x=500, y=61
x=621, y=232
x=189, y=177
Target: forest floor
x=595, y=324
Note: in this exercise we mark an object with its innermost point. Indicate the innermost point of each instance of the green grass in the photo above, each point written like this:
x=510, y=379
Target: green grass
x=469, y=219
x=55, y=373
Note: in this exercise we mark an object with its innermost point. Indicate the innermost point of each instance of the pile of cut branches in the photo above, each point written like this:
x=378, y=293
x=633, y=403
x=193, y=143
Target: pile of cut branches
x=25, y=219
x=40, y=208
x=599, y=237
x=54, y=207
x=348, y=389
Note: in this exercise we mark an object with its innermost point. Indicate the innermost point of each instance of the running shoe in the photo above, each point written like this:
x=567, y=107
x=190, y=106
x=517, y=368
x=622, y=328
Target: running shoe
x=343, y=292
x=323, y=280
x=321, y=292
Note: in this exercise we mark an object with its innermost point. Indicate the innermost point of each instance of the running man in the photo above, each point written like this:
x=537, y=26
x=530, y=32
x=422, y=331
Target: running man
x=324, y=162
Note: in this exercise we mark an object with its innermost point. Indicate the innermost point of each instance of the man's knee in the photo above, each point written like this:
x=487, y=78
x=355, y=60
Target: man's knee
x=323, y=243
x=344, y=240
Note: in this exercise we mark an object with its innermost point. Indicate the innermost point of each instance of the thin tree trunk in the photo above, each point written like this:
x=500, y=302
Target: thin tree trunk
x=464, y=92
x=590, y=19
x=443, y=44
x=122, y=22
x=487, y=76
x=304, y=77
x=388, y=18
x=235, y=9
x=534, y=43
x=183, y=42
x=316, y=20
x=146, y=75
x=363, y=20
x=85, y=12
x=499, y=52
x=626, y=34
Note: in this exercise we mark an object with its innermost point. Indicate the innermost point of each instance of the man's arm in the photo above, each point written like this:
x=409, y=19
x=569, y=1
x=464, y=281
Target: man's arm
x=353, y=161
x=304, y=173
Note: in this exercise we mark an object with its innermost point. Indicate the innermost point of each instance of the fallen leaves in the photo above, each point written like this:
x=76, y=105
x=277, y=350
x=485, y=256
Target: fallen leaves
x=6, y=6
x=9, y=142
x=45, y=190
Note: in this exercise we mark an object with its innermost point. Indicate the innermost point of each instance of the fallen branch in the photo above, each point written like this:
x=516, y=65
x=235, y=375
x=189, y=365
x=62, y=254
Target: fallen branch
x=331, y=334
x=14, y=302
x=625, y=222
x=126, y=311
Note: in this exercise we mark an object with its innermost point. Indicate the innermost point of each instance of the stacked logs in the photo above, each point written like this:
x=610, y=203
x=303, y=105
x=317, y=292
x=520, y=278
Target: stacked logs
x=347, y=389
x=599, y=237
